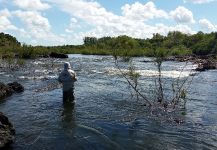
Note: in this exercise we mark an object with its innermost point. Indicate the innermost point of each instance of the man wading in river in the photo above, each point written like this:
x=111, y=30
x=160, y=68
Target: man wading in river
x=67, y=77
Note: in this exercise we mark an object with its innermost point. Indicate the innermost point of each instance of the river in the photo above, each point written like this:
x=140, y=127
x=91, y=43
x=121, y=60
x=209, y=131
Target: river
x=106, y=115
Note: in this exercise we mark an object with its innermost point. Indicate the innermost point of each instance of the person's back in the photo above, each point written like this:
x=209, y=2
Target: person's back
x=67, y=77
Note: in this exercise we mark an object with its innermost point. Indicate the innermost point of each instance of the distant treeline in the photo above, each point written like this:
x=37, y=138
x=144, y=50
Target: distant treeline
x=174, y=44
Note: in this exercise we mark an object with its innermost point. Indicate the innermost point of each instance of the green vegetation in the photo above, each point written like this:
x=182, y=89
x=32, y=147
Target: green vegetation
x=174, y=44
x=8, y=45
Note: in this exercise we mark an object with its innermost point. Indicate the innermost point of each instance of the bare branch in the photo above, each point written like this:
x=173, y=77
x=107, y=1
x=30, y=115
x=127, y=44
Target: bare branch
x=134, y=88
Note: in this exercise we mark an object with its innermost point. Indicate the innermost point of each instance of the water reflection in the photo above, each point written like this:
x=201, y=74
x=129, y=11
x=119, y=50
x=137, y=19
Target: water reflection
x=68, y=115
x=68, y=96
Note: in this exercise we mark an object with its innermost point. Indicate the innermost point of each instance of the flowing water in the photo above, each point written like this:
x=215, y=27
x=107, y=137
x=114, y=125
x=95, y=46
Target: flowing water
x=106, y=114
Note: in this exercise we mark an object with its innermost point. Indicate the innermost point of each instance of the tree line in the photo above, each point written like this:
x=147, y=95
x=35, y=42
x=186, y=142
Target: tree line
x=173, y=44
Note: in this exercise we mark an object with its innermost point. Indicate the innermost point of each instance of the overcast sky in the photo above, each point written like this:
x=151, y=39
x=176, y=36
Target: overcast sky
x=58, y=22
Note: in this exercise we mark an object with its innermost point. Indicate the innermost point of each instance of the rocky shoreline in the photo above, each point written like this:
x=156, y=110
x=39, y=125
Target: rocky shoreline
x=204, y=63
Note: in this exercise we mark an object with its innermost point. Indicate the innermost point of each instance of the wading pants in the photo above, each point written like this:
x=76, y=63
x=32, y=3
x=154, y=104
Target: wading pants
x=68, y=96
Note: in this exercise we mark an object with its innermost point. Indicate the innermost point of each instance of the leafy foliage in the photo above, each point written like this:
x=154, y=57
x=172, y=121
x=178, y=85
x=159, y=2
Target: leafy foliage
x=174, y=44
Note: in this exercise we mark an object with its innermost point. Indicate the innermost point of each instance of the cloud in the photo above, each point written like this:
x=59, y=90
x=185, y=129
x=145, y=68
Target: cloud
x=37, y=26
x=31, y=4
x=89, y=18
x=33, y=19
x=207, y=25
x=138, y=11
x=8, y=27
x=5, y=13
x=93, y=14
x=164, y=29
x=132, y=22
x=182, y=15
x=89, y=11
x=199, y=1
x=73, y=26
x=5, y=23
x=137, y=31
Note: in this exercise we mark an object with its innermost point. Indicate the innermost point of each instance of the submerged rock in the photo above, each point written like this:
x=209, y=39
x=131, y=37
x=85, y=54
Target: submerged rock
x=5, y=90
x=7, y=131
x=15, y=86
x=58, y=55
x=9, y=89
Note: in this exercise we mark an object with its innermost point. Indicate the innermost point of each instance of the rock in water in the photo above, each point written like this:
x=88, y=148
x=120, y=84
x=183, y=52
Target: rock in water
x=7, y=131
x=5, y=90
x=16, y=87
x=206, y=65
x=58, y=55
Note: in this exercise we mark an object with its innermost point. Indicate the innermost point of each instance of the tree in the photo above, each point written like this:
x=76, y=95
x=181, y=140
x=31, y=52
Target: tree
x=124, y=46
x=157, y=41
x=90, y=40
x=212, y=46
x=174, y=38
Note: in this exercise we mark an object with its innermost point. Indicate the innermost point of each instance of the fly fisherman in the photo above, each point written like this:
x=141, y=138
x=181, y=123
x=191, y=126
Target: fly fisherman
x=67, y=77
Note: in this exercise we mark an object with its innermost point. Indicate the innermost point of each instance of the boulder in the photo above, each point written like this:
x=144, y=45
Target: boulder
x=7, y=131
x=15, y=86
x=206, y=65
x=58, y=55
x=5, y=90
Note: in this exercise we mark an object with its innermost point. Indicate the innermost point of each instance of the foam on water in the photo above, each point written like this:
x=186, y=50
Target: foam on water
x=150, y=73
